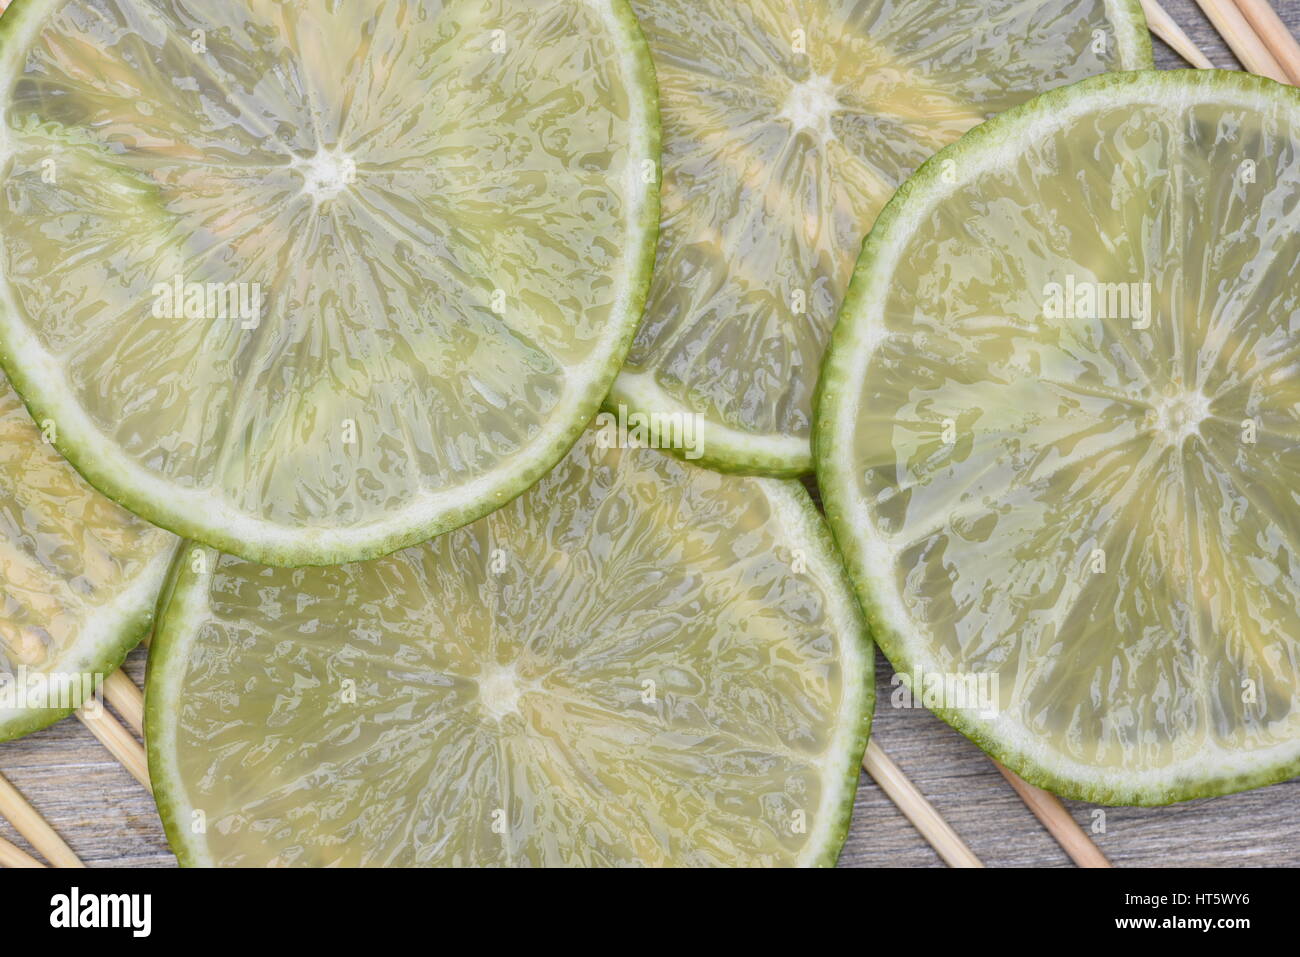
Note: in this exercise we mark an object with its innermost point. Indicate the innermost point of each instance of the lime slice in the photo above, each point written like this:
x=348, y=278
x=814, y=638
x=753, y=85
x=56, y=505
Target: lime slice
x=327, y=278
x=1057, y=436
x=787, y=126
x=637, y=662
x=78, y=578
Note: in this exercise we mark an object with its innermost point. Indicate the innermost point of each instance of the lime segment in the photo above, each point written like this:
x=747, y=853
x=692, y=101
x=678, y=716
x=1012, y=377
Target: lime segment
x=787, y=126
x=312, y=281
x=1057, y=434
x=78, y=578
x=636, y=662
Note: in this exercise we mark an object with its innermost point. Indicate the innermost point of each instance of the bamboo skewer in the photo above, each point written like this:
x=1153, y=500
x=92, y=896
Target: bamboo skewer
x=11, y=855
x=32, y=826
x=917, y=809
x=121, y=692
x=126, y=698
x=119, y=743
x=1166, y=28
x=1234, y=29
x=1268, y=26
x=1053, y=815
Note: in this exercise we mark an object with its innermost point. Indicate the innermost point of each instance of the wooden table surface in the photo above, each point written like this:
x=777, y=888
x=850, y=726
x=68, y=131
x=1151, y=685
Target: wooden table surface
x=109, y=819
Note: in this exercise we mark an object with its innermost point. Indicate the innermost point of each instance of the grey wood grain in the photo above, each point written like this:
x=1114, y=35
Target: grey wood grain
x=103, y=813
x=109, y=820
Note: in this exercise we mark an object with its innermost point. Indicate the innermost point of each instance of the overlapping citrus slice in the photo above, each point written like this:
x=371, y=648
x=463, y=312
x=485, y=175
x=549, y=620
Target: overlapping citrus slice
x=79, y=577
x=636, y=662
x=1059, y=433
x=787, y=126
x=314, y=280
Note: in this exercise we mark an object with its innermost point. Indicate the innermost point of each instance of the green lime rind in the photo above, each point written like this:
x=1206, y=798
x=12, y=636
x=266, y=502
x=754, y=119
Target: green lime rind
x=159, y=700
x=835, y=475
x=19, y=16
x=280, y=545
x=1133, y=35
x=184, y=600
x=859, y=733
x=738, y=452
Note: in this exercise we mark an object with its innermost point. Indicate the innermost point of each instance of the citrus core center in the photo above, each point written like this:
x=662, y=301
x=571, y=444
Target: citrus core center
x=811, y=104
x=327, y=173
x=498, y=690
x=1180, y=414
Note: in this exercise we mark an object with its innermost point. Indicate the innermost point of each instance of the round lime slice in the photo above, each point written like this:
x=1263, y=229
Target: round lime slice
x=79, y=577
x=312, y=281
x=1058, y=430
x=636, y=662
x=787, y=126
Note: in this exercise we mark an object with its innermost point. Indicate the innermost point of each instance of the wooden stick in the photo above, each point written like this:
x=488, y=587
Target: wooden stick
x=1268, y=26
x=11, y=855
x=917, y=809
x=1250, y=49
x=33, y=827
x=119, y=742
x=1053, y=815
x=1166, y=28
x=125, y=697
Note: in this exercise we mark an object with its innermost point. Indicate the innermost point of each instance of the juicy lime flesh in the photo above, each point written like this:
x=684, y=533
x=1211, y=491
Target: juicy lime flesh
x=293, y=269
x=1098, y=508
x=78, y=577
x=777, y=161
x=637, y=661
